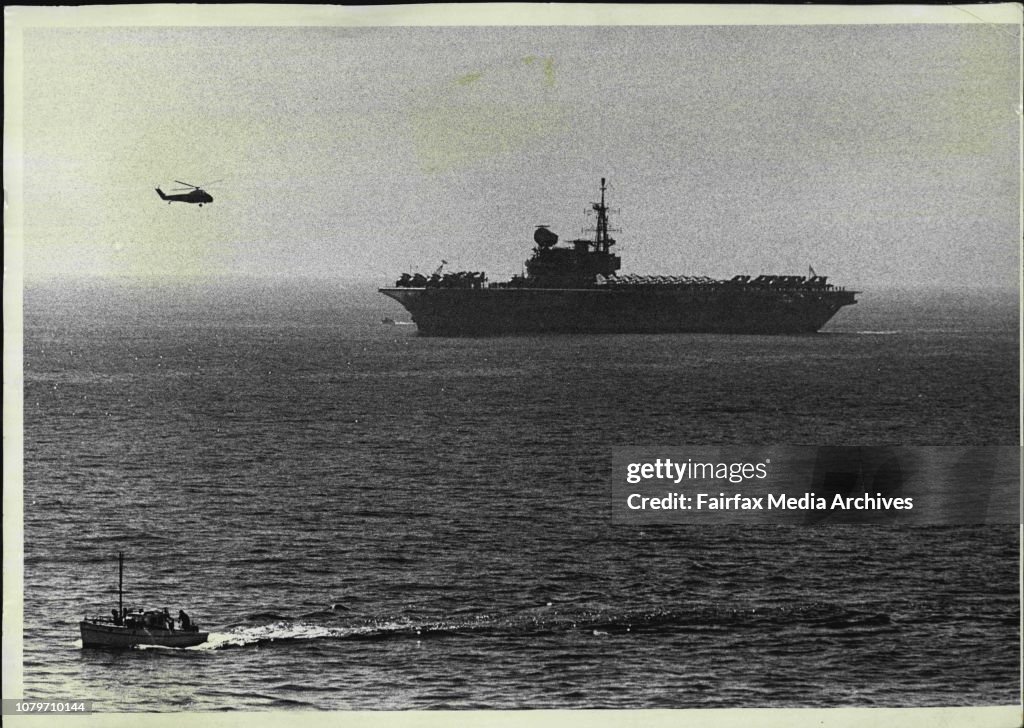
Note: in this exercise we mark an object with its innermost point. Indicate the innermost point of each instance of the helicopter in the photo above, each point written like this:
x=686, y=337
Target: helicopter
x=196, y=195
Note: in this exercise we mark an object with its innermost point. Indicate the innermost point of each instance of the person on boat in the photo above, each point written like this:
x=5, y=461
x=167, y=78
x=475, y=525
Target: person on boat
x=168, y=622
x=117, y=617
x=186, y=623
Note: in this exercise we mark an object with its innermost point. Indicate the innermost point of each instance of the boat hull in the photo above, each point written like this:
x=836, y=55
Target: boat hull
x=115, y=637
x=619, y=310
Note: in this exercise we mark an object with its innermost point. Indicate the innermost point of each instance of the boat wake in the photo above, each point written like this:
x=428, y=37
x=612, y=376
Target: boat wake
x=553, y=620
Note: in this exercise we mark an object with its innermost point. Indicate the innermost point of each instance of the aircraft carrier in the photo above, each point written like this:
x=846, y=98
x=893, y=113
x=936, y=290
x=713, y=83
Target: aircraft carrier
x=576, y=289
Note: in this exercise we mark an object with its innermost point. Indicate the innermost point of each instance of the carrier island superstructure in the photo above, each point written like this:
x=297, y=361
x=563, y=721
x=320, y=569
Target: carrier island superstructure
x=576, y=288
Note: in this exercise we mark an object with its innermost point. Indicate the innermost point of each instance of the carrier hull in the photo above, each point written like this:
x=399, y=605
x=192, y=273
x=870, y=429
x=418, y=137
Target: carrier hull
x=608, y=310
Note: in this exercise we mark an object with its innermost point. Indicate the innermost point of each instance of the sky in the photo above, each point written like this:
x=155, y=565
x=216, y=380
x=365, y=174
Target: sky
x=878, y=154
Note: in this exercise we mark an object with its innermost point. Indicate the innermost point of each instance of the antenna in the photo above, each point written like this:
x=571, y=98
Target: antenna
x=601, y=240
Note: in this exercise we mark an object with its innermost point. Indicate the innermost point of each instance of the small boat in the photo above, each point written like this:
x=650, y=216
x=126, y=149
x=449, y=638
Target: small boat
x=125, y=629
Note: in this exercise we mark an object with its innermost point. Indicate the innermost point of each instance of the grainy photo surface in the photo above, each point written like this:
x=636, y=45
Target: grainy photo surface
x=330, y=331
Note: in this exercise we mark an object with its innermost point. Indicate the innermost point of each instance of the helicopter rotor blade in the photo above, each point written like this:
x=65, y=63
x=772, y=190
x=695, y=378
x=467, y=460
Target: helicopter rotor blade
x=186, y=184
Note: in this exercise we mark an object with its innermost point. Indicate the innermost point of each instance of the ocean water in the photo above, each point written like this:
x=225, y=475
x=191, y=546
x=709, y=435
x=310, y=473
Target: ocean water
x=366, y=519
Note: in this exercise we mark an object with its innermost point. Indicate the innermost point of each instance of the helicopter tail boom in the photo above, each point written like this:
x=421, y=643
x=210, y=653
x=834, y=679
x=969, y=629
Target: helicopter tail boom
x=160, y=192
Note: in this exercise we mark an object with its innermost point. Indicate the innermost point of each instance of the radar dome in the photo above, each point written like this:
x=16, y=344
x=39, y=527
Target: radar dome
x=544, y=237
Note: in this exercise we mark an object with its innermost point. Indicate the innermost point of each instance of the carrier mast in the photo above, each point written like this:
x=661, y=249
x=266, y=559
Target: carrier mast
x=602, y=240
